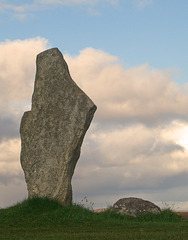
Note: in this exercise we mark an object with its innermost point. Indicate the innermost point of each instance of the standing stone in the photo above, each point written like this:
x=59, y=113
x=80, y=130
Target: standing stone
x=52, y=132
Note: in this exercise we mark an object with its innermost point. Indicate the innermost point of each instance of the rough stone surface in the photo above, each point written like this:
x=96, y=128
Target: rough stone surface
x=134, y=207
x=53, y=131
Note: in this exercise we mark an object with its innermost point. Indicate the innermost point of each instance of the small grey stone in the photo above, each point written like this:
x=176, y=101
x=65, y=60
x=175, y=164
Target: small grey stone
x=134, y=207
x=52, y=132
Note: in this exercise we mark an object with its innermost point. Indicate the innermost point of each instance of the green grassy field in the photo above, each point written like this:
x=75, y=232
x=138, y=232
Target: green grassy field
x=43, y=219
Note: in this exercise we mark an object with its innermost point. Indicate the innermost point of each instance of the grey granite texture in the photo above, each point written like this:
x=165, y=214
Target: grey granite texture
x=53, y=131
x=135, y=206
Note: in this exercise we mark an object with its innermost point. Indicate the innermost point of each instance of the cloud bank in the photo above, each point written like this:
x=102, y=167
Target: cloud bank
x=141, y=94
x=135, y=145
x=17, y=73
x=17, y=69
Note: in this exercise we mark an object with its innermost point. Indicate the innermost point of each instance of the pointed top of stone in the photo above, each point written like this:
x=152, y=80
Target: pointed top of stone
x=52, y=77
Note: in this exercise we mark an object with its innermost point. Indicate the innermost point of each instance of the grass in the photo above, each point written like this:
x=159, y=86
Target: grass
x=44, y=219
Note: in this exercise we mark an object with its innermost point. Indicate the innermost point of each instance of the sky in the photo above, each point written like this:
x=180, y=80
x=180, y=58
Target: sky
x=130, y=57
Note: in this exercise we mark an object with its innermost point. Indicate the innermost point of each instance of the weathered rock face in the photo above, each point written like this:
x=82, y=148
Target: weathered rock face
x=134, y=207
x=53, y=131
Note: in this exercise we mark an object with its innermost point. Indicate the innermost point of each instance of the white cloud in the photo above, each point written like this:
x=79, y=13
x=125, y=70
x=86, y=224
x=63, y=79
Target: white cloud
x=127, y=148
x=140, y=94
x=12, y=184
x=131, y=157
x=9, y=155
x=17, y=71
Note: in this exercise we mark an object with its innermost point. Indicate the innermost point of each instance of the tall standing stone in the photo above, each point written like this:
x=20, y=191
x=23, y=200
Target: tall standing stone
x=52, y=132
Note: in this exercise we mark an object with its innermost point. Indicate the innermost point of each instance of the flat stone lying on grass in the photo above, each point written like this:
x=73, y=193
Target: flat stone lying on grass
x=134, y=207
